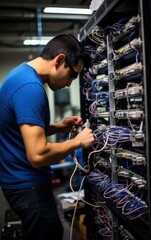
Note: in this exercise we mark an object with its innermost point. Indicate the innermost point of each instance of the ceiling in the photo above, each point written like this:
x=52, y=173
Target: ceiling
x=19, y=20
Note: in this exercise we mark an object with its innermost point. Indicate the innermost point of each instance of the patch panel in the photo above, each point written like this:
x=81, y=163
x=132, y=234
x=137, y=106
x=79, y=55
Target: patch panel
x=127, y=27
x=128, y=71
x=101, y=114
x=134, y=45
x=129, y=114
x=136, y=158
x=132, y=23
x=103, y=78
x=100, y=65
x=136, y=179
x=127, y=173
x=128, y=92
x=137, y=138
x=139, y=182
x=101, y=48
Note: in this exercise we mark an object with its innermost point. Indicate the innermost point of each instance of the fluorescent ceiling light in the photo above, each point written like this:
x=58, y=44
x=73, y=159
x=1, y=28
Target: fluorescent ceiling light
x=79, y=11
x=36, y=41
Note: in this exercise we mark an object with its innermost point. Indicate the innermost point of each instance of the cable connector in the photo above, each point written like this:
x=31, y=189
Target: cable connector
x=86, y=124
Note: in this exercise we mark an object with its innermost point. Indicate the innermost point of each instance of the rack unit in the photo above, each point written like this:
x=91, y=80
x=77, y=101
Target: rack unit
x=115, y=98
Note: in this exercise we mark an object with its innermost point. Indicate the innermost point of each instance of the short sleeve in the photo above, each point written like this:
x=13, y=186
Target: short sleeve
x=30, y=104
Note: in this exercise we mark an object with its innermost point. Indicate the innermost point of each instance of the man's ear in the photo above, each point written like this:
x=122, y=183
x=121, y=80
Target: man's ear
x=60, y=59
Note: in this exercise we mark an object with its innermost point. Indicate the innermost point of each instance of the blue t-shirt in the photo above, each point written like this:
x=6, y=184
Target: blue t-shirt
x=23, y=100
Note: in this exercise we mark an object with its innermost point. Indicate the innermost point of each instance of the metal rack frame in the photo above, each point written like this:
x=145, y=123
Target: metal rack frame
x=102, y=15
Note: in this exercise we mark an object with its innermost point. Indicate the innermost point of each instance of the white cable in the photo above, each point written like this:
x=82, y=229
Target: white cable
x=78, y=198
x=99, y=150
x=74, y=157
x=78, y=165
x=73, y=217
x=77, y=195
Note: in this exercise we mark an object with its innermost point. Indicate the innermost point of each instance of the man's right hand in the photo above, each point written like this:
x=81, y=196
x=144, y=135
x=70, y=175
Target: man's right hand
x=86, y=138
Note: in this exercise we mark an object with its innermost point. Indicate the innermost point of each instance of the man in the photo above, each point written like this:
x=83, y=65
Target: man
x=25, y=153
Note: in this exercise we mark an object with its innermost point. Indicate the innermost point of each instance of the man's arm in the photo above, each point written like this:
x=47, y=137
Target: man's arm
x=41, y=153
x=65, y=125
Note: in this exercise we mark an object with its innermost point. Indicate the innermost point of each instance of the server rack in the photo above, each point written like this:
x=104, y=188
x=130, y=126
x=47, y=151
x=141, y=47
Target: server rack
x=115, y=99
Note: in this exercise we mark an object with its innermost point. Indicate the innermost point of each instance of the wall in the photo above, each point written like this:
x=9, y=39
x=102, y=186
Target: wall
x=10, y=60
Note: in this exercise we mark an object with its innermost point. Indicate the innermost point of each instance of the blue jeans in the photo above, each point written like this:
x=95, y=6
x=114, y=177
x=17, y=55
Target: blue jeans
x=37, y=210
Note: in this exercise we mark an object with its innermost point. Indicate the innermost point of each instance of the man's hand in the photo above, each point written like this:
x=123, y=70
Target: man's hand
x=69, y=123
x=86, y=138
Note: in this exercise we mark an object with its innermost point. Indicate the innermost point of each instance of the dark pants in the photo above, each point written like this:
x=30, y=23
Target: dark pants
x=37, y=210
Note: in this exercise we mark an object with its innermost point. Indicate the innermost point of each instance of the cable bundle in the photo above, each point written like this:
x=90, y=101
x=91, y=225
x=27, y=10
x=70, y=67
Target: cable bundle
x=130, y=205
x=116, y=134
x=102, y=219
x=92, y=96
x=97, y=36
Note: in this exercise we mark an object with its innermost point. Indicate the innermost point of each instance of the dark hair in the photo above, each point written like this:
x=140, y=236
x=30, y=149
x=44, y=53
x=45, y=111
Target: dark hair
x=70, y=46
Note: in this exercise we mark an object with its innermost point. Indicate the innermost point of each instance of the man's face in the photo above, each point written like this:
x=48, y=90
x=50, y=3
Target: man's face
x=65, y=74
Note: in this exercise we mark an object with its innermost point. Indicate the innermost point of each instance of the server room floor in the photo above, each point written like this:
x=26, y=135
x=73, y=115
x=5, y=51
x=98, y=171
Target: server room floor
x=76, y=235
